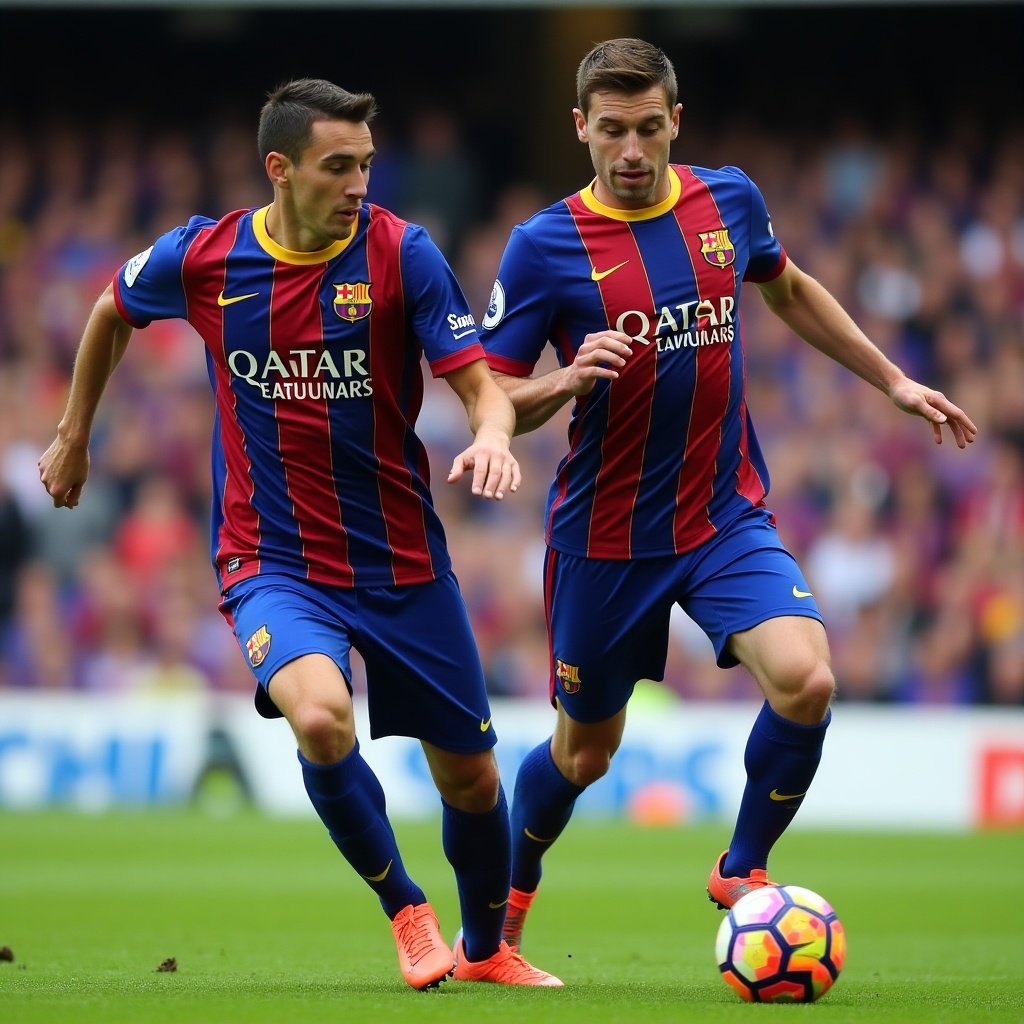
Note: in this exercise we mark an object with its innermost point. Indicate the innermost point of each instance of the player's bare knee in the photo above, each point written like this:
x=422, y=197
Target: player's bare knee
x=804, y=694
x=587, y=765
x=323, y=733
x=813, y=697
x=468, y=784
x=477, y=798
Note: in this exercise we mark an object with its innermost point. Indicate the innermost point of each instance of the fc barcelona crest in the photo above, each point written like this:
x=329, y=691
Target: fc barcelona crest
x=258, y=646
x=716, y=247
x=569, y=675
x=352, y=301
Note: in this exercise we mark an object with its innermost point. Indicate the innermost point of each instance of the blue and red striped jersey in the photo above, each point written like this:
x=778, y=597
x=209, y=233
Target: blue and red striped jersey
x=662, y=457
x=315, y=364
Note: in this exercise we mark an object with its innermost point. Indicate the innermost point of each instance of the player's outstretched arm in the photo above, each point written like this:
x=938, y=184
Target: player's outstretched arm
x=492, y=420
x=64, y=466
x=810, y=310
x=537, y=399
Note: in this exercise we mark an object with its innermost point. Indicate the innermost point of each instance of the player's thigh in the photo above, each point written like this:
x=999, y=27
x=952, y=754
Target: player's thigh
x=583, y=750
x=423, y=673
x=784, y=654
x=278, y=620
x=740, y=579
x=608, y=622
x=309, y=684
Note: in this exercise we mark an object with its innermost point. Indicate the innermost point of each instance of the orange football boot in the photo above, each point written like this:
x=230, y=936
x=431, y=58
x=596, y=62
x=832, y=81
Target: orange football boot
x=724, y=891
x=503, y=968
x=423, y=956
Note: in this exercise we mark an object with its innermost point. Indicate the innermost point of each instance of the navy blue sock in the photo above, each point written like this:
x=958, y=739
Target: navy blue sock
x=350, y=801
x=781, y=758
x=542, y=805
x=477, y=847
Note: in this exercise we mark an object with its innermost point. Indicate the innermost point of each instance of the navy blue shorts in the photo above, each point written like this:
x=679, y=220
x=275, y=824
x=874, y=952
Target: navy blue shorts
x=423, y=673
x=608, y=620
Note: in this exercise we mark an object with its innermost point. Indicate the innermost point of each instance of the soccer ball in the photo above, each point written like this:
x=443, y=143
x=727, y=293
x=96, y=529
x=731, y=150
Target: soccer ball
x=781, y=944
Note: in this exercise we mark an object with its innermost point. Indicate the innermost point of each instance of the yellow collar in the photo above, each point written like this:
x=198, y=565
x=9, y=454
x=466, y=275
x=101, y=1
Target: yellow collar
x=279, y=252
x=591, y=202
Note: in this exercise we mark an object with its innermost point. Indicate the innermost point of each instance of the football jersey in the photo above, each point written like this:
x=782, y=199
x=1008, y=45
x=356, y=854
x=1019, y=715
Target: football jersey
x=315, y=364
x=662, y=457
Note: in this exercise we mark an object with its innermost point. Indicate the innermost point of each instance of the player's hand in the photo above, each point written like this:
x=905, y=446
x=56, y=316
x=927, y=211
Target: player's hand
x=601, y=355
x=935, y=407
x=63, y=470
x=495, y=469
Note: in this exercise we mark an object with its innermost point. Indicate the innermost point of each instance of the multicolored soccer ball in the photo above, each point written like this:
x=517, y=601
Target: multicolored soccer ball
x=781, y=944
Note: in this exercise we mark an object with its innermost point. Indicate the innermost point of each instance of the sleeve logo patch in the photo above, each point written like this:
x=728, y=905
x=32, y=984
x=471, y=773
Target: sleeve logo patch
x=495, y=308
x=461, y=326
x=134, y=266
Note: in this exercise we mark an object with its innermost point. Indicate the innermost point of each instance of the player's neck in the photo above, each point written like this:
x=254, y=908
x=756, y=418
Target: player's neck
x=288, y=233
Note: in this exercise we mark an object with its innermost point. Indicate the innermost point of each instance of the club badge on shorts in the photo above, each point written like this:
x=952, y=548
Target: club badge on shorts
x=569, y=675
x=258, y=646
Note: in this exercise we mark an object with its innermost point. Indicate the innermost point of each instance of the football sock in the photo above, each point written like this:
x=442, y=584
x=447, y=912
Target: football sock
x=781, y=758
x=542, y=805
x=477, y=847
x=350, y=801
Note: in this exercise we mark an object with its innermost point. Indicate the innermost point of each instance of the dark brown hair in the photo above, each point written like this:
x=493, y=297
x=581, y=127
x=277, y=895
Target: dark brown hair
x=624, y=65
x=286, y=120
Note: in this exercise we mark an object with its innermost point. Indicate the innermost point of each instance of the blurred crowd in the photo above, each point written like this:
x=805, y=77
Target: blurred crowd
x=915, y=551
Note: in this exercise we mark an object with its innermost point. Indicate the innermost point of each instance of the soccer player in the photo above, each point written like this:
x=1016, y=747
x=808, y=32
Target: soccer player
x=315, y=312
x=660, y=500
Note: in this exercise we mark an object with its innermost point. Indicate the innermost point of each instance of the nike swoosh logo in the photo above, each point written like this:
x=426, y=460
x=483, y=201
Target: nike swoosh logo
x=484, y=726
x=464, y=334
x=801, y=593
x=382, y=875
x=782, y=797
x=536, y=839
x=221, y=301
x=600, y=275
x=498, y=906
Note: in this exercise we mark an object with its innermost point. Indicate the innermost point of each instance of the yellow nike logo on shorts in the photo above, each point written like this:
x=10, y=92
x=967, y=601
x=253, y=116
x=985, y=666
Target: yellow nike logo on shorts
x=801, y=593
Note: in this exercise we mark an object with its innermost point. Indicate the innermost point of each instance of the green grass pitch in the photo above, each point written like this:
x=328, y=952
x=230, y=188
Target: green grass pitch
x=267, y=924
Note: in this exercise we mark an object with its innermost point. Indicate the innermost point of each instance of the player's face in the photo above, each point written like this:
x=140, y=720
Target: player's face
x=629, y=135
x=327, y=186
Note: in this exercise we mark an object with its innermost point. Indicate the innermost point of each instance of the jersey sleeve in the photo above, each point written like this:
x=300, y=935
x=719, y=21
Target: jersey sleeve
x=149, y=286
x=767, y=257
x=440, y=314
x=518, y=321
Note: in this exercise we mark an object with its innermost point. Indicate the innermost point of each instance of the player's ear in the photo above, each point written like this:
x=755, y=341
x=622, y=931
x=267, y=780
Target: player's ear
x=277, y=165
x=675, y=119
x=581, y=124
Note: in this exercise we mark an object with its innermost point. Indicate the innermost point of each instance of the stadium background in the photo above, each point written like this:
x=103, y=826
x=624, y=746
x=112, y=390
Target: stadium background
x=889, y=141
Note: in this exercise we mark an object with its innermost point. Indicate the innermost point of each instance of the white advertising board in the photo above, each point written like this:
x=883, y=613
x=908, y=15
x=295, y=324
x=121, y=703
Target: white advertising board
x=883, y=767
